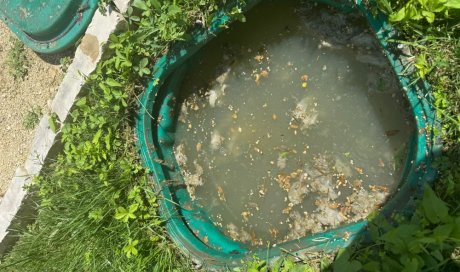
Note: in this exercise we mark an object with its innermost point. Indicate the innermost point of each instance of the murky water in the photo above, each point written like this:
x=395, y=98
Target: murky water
x=291, y=124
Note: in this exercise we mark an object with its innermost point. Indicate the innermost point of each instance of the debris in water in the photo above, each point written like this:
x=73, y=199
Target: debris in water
x=193, y=180
x=273, y=232
x=262, y=74
x=284, y=181
x=297, y=192
x=179, y=153
x=362, y=202
x=198, y=147
x=223, y=77
x=246, y=215
x=233, y=232
x=259, y=58
x=357, y=184
x=302, y=225
x=220, y=193
x=305, y=113
x=216, y=140
x=390, y=133
x=262, y=190
x=245, y=236
x=359, y=170
x=281, y=162
x=342, y=168
x=375, y=188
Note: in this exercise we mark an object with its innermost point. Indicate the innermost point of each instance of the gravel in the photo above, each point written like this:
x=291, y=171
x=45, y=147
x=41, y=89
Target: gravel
x=17, y=97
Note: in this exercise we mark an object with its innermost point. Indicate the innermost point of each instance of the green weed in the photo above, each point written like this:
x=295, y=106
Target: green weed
x=17, y=61
x=32, y=117
x=65, y=62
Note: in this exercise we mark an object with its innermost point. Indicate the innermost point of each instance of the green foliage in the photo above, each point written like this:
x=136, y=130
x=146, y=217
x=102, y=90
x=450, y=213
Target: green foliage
x=416, y=10
x=283, y=264
x=424, y=242
x=17, y=61
x=98, y=210
x=32, y=117
x=65, y=62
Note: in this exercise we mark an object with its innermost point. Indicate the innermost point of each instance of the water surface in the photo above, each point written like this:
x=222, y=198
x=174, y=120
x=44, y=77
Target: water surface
x=291, y=123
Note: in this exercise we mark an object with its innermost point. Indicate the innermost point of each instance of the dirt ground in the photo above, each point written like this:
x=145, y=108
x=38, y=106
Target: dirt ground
x=17, y=98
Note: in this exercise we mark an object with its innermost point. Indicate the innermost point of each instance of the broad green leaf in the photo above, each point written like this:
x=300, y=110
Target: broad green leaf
x=140, y=4
x=399, y=15
x=174, y=9
x=52, y=124
x=442, y=232
x=156, y=4
x=455, y=4
x=143, y=63
x=429, y=16
x=434, y=209
x=97, y=136
x=343, y=263
x=81, y=102
x=410, y=265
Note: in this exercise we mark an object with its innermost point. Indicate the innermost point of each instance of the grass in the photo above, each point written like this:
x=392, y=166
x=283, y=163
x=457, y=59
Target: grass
x=17, y=61
x=98, y=212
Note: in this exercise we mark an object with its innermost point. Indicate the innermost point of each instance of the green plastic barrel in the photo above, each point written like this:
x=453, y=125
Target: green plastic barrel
x=190, y=227
x=48, y=26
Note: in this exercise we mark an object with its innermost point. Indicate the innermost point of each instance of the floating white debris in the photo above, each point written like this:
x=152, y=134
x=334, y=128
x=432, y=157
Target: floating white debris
x=216, y=140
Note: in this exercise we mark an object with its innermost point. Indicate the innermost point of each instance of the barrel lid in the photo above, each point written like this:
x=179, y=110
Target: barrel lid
x=48, y=26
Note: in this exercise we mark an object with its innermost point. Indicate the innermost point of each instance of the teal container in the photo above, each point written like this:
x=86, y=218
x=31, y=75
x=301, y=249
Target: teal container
x=189, y=226
x=48, y=26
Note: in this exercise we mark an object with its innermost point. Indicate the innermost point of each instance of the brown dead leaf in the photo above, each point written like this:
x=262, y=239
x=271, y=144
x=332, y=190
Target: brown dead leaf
x=380, y=188
x=333, y=205
x=359, y=170
x=273, y=231
x=259, y=58
x=284, y=181
x=287, y=210
x=246, y=216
